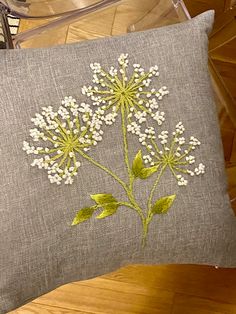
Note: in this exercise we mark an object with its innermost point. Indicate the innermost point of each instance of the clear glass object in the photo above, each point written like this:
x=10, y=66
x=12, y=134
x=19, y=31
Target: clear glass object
x=61, y=12
x=46, y=8
x=163, y=12
x=153, y=13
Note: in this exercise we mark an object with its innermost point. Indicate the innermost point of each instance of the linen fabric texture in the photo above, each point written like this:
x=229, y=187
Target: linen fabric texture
x=40, y=250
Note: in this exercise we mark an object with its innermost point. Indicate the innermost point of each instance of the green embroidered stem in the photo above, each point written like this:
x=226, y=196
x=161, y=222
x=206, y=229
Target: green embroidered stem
x=59, y=138
x=126, y=158
x=146, y=221
x=129, y=192
x=122, y=183
x=118, y=203
x=145, y=232
x=136, y=205
x=123, y=75
x=185, y=154
x=173, y=144
x=140, y=80
x=153, y=189
x=63, y=159
x=180, y=170
x=156, y=147
x=127, y=205
x=173, y=172
x=63, y=131
x=126, y=151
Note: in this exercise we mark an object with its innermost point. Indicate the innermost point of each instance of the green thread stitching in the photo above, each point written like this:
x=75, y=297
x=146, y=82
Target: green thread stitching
x=126, y=150
x=128, y=190
x=72, y=133
x=111, y=173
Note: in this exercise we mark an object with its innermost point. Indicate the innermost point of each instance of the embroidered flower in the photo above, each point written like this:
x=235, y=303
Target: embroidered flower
x=60, y=136
x=115, y=89
x=177, y=155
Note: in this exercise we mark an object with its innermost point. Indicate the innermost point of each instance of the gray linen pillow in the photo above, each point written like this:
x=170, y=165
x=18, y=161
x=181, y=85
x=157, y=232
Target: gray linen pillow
x=150, y=184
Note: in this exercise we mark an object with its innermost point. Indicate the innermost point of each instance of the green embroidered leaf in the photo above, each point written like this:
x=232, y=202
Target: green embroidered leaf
x=138, y=168
x=101, y=199
x=108, y=211
x=137, y=164
x=83, y=215
x=107, y=202
x=163, y=204
x=147, y=172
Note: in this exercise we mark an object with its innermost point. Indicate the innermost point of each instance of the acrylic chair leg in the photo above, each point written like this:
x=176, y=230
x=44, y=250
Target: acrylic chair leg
x=63, y=20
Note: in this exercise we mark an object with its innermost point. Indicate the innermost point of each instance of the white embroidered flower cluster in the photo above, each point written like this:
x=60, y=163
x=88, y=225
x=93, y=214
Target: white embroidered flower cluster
x=68, y=133
x=123, y=61
x=176, y=155
x=60, y=136
x=149, y=133
x=114, y=89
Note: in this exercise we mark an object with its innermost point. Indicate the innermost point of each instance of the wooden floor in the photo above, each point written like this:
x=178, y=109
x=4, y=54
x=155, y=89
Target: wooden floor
x=172, y=289
x=145, y=290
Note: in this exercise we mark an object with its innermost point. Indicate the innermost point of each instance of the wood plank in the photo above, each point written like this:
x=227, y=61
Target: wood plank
x=228, y=73
x=186, y=304
x=232, y=176
x=222, y=91
x=202, y=281
x=125, y=16
x=145, y=289
x=223, y=36
x=34, y=308
x=232, y=194
x=75, y=37
x=233, y=155
x=222, y=20
x=93, y=26
x=56, y=36
x=98, y=299
x=196, y=7
x=228, y=134
x=227, y=53
x=160, y=15
x=229, y=4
